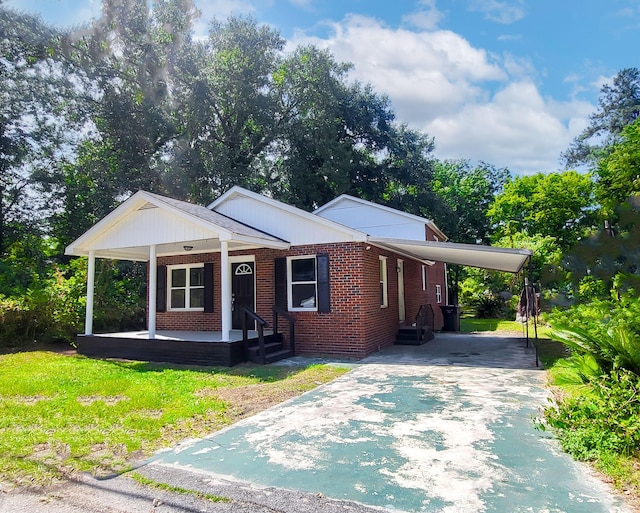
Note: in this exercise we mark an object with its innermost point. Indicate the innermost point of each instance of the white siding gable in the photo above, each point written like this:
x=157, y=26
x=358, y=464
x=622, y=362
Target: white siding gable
x=283, y=221
x=148, y=226
x=373, y=220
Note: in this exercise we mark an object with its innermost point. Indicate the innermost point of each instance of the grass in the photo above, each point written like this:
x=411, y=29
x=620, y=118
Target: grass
x=61, y=413
x=145, y=481
x=471, y=324
x=549, y=351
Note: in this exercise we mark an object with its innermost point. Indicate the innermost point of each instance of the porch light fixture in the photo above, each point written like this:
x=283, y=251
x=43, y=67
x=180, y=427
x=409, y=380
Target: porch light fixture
x=187, y=248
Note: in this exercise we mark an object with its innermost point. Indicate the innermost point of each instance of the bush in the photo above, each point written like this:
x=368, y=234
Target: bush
x=50, y=311
x=603, y=421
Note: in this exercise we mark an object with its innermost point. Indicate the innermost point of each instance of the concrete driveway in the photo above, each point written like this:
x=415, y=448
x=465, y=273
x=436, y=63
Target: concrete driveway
x=445, y=427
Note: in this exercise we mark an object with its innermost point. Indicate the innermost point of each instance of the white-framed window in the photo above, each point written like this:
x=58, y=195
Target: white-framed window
x=384, y=288
x=302, y=282
x=438, y=293
x=424, y=277
x=186, y=287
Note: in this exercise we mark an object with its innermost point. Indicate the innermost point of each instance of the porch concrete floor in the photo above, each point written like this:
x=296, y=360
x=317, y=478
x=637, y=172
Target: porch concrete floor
x=444, y=427
x=193, y=336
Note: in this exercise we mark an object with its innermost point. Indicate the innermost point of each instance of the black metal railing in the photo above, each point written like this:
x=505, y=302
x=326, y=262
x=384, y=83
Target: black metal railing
x=277, y=311
x=261, y=324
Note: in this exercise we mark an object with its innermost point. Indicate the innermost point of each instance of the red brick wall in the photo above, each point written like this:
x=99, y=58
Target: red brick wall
x=356, y=325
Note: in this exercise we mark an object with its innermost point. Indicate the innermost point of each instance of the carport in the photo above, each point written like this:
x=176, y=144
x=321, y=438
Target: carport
x=473, y=255
x=509, y=260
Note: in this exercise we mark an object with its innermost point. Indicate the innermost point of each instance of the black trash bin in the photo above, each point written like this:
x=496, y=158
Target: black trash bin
x=451, y=317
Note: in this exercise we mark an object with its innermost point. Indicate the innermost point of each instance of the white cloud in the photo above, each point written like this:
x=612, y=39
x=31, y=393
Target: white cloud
x=425, y=73
x=477, y=105
x=505, y=12
x=426, y=18
x=517, y=128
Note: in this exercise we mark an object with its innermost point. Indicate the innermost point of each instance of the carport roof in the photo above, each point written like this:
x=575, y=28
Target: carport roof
x=485, y=257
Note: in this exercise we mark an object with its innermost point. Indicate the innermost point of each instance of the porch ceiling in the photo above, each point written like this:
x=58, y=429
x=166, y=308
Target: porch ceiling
x=485, y=257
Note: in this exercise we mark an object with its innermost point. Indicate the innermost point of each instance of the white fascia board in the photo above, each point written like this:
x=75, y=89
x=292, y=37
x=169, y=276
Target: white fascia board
x=112, y=218
x=385, y=208
x=128, y=206
x=357, y=235
x=264, y=243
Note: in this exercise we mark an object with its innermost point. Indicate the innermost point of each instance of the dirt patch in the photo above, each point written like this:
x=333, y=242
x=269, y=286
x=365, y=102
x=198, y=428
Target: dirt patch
x=108, y=400
x=251, y=399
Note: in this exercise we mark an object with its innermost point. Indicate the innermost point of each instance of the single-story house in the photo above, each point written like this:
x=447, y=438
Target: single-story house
x=346, y=280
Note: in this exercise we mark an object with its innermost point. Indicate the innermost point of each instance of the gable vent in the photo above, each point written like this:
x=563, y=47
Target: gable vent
x=147, y=206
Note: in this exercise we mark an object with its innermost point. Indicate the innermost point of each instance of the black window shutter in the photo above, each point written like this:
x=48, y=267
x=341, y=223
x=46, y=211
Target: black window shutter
x=280, y=282
x=208, y=287
x=161, y=288
x=324, y=296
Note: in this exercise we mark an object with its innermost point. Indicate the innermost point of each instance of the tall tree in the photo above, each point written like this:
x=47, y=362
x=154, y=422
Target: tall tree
x=559, y=205
x=618, y=106
x=234, y=112
x=126, y=63
x=33, y=98
x=618, y=174
x=466, y=192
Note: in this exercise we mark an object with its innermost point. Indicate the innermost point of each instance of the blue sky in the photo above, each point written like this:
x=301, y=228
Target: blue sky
x=509, y=82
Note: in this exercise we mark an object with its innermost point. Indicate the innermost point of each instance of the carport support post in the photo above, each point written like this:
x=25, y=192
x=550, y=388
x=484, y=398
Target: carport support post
x=225, y=289
x=91, y=276
x=153, y=288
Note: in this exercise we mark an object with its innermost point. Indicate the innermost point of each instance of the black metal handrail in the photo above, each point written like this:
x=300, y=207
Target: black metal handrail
x=261, y=324
x=277, y=311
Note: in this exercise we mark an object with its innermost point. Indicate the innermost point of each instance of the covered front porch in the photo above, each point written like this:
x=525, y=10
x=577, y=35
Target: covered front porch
x=146, y=228
x=206, y=348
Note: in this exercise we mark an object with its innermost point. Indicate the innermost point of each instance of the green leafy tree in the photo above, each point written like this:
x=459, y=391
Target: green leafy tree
x=125, y=65
x=237, y=108
x=618, y=106
x=610, y=255
x=559, y=205
x=36, y=96
x=466, y=192
x=618, y=174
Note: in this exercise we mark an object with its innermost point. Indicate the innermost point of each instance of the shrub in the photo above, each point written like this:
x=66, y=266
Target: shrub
x=604, y=421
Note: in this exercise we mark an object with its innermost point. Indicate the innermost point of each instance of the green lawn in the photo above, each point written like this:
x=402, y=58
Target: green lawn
x=65, y=413
x=471, y=324
x=549, y=351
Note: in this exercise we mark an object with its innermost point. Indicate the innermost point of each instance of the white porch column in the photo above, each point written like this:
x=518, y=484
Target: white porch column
x=153, y=287
x=91, y=276
x=225, y=286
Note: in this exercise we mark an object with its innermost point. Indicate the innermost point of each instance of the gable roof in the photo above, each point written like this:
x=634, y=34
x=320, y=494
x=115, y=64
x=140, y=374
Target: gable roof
x=345, y=198
x=304, y=218
x=129, y=230
x=216, y=218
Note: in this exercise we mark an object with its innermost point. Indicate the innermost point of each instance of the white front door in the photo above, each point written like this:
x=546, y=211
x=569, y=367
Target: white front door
x=401, y=309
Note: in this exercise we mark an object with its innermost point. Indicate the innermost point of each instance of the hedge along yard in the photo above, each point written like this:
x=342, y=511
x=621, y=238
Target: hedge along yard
x=63, y=413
